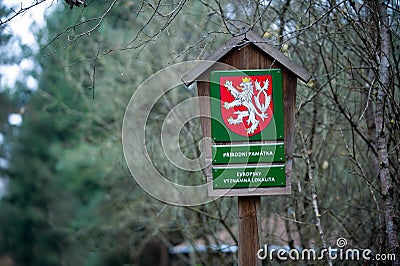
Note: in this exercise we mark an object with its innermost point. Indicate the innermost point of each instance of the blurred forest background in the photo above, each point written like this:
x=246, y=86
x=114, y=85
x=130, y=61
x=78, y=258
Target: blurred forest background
x=68, y=197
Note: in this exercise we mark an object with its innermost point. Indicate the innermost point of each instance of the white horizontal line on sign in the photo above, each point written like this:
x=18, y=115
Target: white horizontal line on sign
x=250, y=144
x=248, y=166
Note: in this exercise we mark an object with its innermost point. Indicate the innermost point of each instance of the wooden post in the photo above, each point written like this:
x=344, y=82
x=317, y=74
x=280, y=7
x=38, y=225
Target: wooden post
x=248, y=216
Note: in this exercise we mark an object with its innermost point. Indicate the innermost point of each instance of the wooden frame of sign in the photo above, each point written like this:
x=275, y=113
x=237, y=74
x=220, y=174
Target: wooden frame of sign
x=249, y=52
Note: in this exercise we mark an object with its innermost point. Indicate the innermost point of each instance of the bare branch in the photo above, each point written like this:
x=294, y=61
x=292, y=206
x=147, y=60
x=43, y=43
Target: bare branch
x=21, y=11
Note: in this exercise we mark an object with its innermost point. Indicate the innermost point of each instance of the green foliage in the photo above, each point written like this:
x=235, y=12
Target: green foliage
x=67, y=173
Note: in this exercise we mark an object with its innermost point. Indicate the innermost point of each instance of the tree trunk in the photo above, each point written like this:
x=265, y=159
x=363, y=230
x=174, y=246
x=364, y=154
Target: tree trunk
x=384, y=173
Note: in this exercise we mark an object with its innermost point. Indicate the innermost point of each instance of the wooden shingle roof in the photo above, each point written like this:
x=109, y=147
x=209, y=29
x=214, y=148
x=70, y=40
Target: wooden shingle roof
x=242, y=40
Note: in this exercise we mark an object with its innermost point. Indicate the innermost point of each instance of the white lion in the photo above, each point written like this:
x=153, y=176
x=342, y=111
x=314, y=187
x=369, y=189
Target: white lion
x=243, y=97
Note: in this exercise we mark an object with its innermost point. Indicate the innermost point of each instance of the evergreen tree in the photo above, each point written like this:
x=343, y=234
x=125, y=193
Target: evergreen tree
x=67, y=201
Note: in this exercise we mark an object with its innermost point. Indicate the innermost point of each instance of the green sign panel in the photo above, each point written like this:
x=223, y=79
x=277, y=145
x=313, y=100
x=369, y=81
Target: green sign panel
x=249, y=177
x=248, y=153
x=247, y=105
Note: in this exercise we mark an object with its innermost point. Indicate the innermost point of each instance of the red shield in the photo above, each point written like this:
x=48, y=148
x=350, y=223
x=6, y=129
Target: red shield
x=246, y=103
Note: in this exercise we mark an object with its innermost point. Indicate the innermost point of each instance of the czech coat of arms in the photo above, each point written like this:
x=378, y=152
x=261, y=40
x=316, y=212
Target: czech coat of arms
x=246, y=103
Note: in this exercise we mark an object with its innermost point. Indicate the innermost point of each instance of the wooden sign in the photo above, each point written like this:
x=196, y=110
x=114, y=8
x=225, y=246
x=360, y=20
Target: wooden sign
x=231, y=160
x=242, y=58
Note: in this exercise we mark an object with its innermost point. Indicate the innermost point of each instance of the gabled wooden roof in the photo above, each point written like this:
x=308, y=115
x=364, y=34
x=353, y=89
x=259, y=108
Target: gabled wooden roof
x=239, y=41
